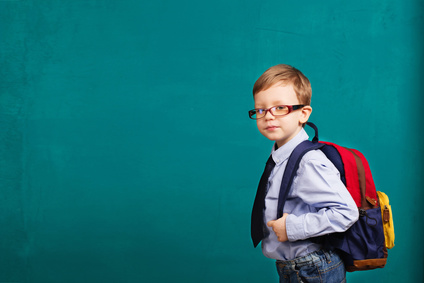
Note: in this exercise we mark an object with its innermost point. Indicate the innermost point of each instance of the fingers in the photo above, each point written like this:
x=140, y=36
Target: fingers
x=279, y=227
x=270, y=223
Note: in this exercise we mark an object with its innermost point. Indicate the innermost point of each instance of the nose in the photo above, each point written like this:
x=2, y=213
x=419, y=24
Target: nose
x=269, y=116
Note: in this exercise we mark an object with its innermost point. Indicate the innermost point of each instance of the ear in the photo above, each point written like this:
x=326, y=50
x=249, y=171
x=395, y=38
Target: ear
x=305, y=113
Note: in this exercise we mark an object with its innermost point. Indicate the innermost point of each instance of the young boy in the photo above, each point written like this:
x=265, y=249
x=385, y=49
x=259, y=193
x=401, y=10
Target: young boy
x=318, y=202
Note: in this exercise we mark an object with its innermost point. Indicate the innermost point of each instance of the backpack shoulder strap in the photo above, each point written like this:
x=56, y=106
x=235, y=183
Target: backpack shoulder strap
x=291, y=169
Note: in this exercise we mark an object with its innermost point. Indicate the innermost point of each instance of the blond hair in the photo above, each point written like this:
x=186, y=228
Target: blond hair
x=285, y=74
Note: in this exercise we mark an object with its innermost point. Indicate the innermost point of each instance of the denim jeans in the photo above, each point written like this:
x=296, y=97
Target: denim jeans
x=320, y=266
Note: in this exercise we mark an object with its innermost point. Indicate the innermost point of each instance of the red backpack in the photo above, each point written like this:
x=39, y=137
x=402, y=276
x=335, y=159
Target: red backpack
x=364, y=245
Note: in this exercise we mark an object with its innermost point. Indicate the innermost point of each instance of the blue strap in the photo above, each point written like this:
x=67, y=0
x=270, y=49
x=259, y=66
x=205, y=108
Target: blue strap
x=312, y=125
x=291, y=169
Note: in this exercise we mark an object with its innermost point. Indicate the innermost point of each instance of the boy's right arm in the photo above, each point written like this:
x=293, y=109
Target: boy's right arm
x=318, y=184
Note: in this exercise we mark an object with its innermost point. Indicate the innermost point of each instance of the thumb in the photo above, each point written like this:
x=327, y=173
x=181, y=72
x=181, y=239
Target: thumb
x=270, y=223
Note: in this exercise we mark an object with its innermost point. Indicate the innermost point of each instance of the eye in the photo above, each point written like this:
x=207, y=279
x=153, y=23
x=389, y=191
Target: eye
x=281, y=107
x=260, y=111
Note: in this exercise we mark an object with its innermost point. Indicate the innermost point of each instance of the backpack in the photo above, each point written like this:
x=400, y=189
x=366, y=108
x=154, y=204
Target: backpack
x=364, y=245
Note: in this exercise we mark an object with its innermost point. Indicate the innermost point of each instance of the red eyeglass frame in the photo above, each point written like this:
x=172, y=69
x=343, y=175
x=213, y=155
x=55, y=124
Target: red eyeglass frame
x=290, y=107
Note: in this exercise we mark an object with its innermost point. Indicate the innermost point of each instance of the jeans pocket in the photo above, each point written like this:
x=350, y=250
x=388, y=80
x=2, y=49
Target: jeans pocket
x=309, y=273
x=332, y=270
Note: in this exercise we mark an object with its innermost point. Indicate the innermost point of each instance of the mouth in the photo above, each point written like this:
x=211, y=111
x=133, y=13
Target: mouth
x=271, y=128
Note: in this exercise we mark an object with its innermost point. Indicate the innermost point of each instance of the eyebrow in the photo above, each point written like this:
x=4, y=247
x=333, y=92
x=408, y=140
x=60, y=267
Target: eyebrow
x=273, y=104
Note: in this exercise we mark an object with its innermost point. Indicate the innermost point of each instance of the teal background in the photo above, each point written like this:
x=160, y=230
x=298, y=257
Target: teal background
x=126, y=153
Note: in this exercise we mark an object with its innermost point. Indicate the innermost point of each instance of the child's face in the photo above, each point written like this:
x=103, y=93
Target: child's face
x=283, y=128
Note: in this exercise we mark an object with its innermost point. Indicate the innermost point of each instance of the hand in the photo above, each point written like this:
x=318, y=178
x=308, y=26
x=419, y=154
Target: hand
x=279, y=228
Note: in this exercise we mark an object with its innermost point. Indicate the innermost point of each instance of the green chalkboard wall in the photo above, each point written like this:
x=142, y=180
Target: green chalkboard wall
x=126, y=153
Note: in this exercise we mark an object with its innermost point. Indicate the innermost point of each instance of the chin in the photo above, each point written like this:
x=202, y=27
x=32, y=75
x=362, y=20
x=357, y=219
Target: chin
x=274, y=139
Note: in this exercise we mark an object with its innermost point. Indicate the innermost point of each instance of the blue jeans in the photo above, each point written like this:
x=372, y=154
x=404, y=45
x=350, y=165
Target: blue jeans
x=320, y=266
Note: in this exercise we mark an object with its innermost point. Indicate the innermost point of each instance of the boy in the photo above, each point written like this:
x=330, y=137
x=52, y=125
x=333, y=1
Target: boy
x=318, y=202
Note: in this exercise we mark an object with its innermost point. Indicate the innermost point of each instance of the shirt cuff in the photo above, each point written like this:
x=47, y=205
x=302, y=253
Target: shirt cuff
x=294, y=227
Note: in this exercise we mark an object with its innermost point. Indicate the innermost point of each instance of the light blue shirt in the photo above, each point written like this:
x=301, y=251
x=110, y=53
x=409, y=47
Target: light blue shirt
x=318, y=202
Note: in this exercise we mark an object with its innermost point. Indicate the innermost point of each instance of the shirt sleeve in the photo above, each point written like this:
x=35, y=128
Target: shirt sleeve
x=326, y=205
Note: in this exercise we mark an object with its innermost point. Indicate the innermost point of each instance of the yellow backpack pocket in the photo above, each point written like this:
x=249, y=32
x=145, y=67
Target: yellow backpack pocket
x=387, y=216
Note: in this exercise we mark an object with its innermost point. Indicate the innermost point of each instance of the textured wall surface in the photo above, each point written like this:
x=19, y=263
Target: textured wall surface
x=126, y=153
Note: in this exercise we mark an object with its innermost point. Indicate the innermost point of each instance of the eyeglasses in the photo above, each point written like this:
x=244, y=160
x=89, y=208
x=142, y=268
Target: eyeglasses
x=279, y=110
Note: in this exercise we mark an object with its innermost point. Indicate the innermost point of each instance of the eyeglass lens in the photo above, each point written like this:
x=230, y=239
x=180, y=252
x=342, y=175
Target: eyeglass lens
x=276, y=111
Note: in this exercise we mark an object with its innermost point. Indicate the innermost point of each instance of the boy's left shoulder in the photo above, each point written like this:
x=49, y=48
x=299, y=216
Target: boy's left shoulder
x=318, y=159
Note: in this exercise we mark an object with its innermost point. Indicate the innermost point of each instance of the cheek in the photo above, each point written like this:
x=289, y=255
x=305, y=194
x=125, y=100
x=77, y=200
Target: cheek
x=258, y=123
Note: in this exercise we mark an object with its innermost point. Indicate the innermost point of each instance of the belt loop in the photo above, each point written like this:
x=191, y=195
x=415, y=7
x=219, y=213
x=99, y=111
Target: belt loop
x=327, y=255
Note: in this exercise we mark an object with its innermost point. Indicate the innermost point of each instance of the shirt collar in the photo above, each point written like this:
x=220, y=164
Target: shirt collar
x=283, y=153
